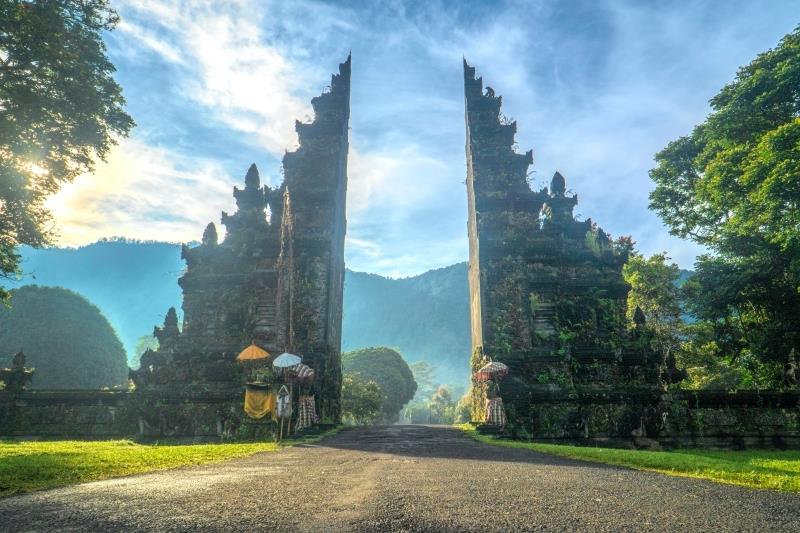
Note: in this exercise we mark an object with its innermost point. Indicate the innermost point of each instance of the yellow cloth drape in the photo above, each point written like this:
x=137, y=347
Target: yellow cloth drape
x=258, y=404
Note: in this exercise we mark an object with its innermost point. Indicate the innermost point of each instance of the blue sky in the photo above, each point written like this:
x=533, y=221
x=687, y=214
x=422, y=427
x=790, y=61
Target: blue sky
x=597, y=87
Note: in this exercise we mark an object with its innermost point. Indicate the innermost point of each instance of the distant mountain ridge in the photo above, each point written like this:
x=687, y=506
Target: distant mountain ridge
x=134, y=283
x=426, y=317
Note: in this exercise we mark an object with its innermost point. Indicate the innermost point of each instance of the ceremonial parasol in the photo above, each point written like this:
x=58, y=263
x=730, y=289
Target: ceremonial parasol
x=285, y=361
x=303, y=373
x=491, y=372
x=252, y=353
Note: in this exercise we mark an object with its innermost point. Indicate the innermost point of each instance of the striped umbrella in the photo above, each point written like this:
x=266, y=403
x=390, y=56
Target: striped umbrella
x=491, y=372
x=303, y=373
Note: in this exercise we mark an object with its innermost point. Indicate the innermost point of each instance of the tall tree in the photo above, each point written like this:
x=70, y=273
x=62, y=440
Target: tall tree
x=733, y=185
x=60, y=110
x=425, y=376
x=654, y=290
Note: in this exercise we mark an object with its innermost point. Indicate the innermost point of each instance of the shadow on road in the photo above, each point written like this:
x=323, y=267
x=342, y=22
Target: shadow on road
x=442, y=442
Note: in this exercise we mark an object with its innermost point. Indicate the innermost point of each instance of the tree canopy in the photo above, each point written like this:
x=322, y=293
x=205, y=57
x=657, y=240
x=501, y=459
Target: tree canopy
x=60, y=110
x=361, y=400
x=733, y=185
x=389, y=370
x=655, y=291
x=64, y=337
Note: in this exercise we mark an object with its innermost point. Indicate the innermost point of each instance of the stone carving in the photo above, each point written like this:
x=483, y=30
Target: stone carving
x=546, y=290
x=277, y=278
x=18, y=376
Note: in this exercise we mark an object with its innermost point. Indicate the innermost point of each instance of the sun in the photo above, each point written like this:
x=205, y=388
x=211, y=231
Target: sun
x=37, y=170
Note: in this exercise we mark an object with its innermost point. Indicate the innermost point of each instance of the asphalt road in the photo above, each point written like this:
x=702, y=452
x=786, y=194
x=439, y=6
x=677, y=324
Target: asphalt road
x=401, y=478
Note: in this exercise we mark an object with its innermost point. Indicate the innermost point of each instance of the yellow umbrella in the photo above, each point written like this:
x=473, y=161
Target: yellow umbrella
x=252, y=352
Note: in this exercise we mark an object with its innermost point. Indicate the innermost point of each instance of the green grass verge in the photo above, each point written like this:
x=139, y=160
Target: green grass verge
x=763, y=469
x=33, y=465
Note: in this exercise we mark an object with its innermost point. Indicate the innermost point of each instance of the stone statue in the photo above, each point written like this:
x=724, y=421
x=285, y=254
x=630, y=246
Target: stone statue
x=17, y=377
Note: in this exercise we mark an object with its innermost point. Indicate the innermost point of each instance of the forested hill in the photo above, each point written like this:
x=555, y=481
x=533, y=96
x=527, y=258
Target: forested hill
x=134, y=283
x=426, y=317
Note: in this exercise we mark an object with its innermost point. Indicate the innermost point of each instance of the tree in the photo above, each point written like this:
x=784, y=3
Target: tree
x=60, y=110
x=733, y=186
x=441, y=406
x=65, y=338
x=654, y=290
x=388, y=369
x=425, y=376
x=361, y=400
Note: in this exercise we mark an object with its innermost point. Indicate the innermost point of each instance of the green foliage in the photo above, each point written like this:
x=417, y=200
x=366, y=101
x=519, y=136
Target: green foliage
x=732, y=185
x=463, y=409
x=442, y=407
x=710, y=366
x=26, y=466
x=144, y=343
x=425, y=317
x=438, y=409
x=654, y=290
x=361, y=400
x=61, y=110
x=388, y=369
x=425, y=376
x=65, y=338
x=776, y=470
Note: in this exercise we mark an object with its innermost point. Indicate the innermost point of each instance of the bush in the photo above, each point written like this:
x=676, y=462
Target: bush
x=65, y=338
x=361, y=400
x=388, y=369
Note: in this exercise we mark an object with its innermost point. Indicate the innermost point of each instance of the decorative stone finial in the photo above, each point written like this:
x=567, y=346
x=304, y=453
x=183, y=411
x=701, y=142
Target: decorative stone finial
x=168, y=333
x=558, y=185
x=18, y=361
x=17, y=377
x=252, y=180
x=171, y=319
x=210, y=235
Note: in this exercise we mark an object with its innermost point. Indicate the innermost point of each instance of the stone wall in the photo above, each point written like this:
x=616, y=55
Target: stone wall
x=620, y=417
x=105, y=414
x=746, y=419
x=66, y=413
x=315, y=177
x=635, y=416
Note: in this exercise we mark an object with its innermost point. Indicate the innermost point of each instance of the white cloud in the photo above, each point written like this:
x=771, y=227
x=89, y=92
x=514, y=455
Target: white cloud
x=142, y=192
x=229, y=67
x=597, y=89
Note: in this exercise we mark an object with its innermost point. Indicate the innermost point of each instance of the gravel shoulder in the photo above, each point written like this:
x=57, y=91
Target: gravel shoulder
x=401, y=478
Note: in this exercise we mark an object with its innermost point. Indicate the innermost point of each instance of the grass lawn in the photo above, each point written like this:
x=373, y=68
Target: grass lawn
x=763, y=469
x=31, y=465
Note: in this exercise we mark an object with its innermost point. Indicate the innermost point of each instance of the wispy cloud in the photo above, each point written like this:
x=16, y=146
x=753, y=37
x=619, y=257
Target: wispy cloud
x=229, y=65
x=597, y=88
x=144, y=193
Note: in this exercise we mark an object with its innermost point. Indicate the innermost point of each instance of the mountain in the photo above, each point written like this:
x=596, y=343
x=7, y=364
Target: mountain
x=426, y=317
x=134, y=283
x=65, y=338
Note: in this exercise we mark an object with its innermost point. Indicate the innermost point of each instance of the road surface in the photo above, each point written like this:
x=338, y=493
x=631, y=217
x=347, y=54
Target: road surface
x=401, y=478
